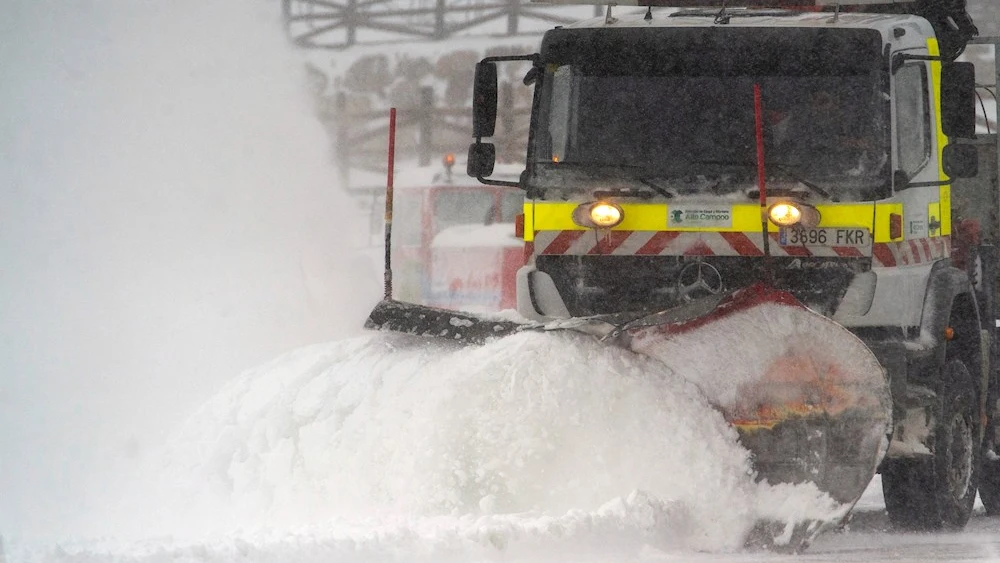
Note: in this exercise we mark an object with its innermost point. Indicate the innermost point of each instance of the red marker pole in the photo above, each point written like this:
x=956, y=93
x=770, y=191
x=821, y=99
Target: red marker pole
x=388, y=204
x=758, y=111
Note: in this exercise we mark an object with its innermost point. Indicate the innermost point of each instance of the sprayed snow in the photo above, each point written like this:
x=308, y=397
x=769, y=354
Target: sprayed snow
x=534, y=447
x=170, y=217
x=541, y=424
x=913, y=441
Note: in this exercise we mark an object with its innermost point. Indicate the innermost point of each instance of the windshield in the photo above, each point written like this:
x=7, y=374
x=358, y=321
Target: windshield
x=680, y=115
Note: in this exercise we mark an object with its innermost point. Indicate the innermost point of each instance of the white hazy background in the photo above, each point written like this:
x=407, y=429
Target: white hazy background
x=168, y=217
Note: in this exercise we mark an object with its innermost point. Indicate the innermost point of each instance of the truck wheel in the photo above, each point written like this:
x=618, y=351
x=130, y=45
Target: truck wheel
x=938, y=492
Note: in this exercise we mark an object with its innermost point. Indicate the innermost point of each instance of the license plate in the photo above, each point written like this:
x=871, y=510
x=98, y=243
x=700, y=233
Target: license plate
x=857, y=238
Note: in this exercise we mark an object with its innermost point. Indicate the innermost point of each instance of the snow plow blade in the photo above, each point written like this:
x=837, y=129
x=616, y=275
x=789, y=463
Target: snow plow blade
x=808, y=399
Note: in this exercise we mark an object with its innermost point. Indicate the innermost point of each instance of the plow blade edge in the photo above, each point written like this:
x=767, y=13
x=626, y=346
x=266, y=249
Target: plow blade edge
x=420, y=320
x=809, y=400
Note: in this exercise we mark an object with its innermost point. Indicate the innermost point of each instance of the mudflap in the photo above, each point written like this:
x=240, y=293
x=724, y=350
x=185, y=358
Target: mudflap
x=808, y=399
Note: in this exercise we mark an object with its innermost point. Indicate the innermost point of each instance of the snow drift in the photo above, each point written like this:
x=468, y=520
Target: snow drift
x=396, y=447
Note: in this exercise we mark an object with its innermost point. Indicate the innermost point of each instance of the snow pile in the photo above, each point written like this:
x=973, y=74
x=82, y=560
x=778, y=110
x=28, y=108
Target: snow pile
x=389, y=444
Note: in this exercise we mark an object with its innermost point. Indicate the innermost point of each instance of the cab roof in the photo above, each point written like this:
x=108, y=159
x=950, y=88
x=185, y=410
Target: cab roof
x=630, y=17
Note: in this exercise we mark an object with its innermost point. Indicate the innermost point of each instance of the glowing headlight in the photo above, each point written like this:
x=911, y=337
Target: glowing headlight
x=598, y=215
x=789, y=213
x=784, y=214
x=606, y=215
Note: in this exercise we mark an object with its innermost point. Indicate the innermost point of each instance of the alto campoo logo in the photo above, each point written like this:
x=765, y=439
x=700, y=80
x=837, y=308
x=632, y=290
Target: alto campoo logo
x=699, y=216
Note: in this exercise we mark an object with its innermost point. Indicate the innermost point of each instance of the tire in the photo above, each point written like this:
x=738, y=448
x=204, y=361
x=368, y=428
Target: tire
x=938, y=492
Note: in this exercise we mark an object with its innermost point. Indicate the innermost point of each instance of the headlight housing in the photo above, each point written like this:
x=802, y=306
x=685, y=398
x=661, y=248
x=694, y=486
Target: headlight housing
x=598, y=215
x=792, y=213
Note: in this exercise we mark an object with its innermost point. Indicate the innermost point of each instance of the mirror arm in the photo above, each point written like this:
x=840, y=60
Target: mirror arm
x=490, y=182
x=899, y=59
x=534, y=58
x=937, y=183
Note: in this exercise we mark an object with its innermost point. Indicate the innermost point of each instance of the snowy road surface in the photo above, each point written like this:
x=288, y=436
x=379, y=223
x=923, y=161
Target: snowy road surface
x=870, y=540
x=867, y=540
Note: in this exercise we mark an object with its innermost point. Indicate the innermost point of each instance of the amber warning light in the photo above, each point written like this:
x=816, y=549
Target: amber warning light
x=448, y=161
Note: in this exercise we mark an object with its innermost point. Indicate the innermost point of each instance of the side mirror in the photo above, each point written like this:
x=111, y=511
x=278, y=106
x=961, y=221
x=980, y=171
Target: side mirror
x=482, y=157
x=958, y=100
x=960, y=161
x=484, y=101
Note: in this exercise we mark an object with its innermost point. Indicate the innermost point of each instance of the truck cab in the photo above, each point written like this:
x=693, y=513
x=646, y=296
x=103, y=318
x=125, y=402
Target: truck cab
x=681, y=152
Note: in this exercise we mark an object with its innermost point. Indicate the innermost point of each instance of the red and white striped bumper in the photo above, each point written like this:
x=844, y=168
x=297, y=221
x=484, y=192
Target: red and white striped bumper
x=687, y=243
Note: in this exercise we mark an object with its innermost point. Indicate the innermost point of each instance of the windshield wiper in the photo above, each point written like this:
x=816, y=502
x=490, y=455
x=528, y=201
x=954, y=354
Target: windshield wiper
x=779, y=165
x=740, y=163
x=603, y=166
x=794, y=175
x=659, y=189
x=584, y=164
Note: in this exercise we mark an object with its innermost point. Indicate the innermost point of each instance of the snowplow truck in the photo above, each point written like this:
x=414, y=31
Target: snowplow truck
x=789, y=204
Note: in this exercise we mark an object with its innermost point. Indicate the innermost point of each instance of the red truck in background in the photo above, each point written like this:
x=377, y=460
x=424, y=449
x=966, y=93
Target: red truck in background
x=453, y=241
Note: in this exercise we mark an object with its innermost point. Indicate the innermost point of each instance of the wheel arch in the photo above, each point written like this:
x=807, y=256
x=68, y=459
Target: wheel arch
x=950, y=325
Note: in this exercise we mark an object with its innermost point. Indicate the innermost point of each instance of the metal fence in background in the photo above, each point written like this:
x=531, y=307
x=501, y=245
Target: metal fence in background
x=340, y=24
x=428, y=126
x=424, y=134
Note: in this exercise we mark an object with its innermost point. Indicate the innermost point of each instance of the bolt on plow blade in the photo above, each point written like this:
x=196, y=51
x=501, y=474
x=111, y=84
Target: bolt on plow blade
x=808, y=399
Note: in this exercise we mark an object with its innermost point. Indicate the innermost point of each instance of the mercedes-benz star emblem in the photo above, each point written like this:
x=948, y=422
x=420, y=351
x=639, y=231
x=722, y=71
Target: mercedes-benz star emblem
x=698, y=279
